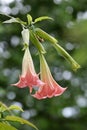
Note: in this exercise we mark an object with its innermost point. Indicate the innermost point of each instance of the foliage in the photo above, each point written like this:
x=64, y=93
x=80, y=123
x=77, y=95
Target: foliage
x=5, y=119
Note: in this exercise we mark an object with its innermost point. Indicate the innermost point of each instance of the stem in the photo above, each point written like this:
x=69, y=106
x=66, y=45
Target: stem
x=36, y=42
x=55, y=44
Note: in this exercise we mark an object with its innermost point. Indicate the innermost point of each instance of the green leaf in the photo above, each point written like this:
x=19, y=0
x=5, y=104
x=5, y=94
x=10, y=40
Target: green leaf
x=29, y=18
x=42, y=18
x=14, y=107
x=4, y=126
x=20, y=120
x=12, y=20
x=15, y=20
x=3, y=107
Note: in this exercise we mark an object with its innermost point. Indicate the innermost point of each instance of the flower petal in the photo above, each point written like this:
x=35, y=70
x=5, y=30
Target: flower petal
x=50, y=88
x=28, y=78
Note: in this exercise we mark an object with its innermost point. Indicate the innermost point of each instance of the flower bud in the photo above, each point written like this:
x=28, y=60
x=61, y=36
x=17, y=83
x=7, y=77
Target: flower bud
x=25, y=36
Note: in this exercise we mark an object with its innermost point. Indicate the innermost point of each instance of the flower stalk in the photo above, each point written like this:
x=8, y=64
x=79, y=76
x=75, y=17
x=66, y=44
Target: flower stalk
x=55, y=44
x=36, y=42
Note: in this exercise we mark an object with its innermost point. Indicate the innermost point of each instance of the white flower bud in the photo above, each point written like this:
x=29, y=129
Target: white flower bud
x=25, y=35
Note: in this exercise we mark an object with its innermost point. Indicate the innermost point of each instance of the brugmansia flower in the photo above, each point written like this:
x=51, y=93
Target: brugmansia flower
x=50, y=88
x=28, y=77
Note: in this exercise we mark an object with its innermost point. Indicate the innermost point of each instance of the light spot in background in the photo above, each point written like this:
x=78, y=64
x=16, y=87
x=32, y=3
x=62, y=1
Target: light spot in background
x=11, y=95
x=33, y=112
x=3, y=44
x=57, y=1
x=14, y=11
x=6, y=1
x=15, y=41
x=67, y=95
x=6, y=72
x=25, y=9
x=70, y=112
x=68, y=0
x=28, y=113
x=5, y=9
x=6, y=54
x=69, y=24
x=75, y=82
x=85, y=93
x=81, y=101
x=29, y=102
x=58, y=76
x=14, y=74
x=2, y=92
x=82, y=15
x=3, y=52
x=69, y=9
x=67, y=75
x=69, y=46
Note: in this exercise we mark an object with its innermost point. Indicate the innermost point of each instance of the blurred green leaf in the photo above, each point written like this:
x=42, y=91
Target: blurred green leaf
x=4, y=126
x=14, y=107
x=20, y=120
x=42, y=18
x=12, y=20
x=29, y=19
x=3, y=107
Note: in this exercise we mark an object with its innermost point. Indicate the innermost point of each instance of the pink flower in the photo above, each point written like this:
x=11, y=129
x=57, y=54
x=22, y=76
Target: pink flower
x=50, y=88
x=28, y=77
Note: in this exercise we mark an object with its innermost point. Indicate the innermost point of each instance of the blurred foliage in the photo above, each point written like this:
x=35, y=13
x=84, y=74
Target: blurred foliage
x=69, y=111
x=7, y=116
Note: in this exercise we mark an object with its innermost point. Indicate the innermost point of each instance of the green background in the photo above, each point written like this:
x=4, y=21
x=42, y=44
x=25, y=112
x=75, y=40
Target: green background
x=68, y=111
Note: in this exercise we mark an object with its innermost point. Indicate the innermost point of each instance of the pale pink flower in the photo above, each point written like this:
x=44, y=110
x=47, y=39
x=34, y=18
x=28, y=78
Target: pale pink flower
x=50, y=88
x=28, y=77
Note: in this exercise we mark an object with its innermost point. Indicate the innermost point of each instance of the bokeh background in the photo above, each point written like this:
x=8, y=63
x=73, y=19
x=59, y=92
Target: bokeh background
x=69, y=111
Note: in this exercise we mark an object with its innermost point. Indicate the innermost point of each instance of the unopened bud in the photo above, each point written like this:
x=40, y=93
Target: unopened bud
x=25, y=36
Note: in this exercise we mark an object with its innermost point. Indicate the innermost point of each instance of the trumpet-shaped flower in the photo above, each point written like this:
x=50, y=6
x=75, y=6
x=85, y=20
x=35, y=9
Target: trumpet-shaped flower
x=50, y=88
x=28, y=77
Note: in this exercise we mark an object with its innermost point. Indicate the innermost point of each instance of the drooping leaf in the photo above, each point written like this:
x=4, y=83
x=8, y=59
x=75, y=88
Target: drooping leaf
x=12, y=20
x=29, y=18
x=42, y=18
x=14, y=107
x=20, y=120
x=3, y=107
x=15, y=20
x=4, y=126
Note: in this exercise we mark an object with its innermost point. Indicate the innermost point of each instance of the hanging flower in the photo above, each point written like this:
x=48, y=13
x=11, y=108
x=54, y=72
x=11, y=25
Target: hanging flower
x=28, y=77
x=50, y=88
